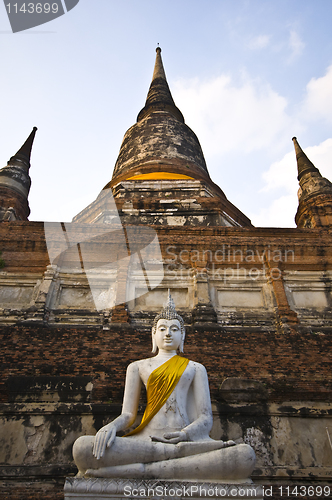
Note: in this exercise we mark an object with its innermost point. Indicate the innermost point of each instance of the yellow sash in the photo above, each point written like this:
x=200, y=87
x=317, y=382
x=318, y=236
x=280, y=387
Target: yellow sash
x=160, y=386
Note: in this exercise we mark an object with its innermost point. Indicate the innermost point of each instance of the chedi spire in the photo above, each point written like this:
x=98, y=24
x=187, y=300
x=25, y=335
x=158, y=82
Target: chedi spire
x=315, y=193
x=159, y=97
x=304, y=165
x=15, y=183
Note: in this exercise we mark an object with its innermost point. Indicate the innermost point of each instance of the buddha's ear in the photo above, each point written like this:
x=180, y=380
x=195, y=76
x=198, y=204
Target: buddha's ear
x=154, y=344
x=181, y=346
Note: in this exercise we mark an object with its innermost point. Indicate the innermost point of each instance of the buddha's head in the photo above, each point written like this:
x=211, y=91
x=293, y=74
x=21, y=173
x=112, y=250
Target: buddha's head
x=169, y=319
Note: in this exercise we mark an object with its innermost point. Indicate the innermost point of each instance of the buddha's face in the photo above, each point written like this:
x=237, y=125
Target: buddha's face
x=168, y=334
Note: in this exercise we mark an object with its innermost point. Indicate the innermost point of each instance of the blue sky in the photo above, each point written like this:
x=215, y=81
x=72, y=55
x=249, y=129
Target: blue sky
x=248, y=75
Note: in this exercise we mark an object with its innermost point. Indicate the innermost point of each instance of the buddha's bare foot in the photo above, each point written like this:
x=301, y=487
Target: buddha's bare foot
x=229, y=443
x=91, y=473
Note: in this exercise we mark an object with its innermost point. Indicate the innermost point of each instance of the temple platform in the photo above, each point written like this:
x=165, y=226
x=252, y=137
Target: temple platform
x=153, y=489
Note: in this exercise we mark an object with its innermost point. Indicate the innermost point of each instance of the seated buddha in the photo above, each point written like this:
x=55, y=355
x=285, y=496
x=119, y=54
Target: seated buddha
x=172, y=440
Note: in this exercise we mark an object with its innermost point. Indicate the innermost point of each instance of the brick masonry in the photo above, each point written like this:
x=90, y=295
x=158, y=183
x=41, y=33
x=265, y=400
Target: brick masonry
x=293, y=367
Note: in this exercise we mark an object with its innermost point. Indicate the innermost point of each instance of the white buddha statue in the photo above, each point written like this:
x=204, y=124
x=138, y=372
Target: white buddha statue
x=172, y=441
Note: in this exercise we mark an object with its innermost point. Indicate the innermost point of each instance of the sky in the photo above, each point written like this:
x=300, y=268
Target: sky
x=248, y=75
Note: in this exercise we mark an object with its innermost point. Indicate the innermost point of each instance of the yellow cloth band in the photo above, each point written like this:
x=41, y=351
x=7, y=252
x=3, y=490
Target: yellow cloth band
x=158, y=176
x=160, y=386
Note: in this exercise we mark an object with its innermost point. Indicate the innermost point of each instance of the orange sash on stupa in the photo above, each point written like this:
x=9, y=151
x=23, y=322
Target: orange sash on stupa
x=160, y=386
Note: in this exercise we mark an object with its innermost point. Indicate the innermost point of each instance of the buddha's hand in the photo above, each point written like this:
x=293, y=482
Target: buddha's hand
x=171, y=437
x=103, y=439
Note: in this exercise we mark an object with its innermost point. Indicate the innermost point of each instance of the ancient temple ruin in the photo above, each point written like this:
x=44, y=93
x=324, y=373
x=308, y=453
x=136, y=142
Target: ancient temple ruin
x=77, y=303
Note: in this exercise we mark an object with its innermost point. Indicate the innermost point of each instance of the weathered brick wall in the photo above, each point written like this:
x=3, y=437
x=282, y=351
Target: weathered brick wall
x=23, y=247
x=14, y=201
x=31, y=491
x=292, y=366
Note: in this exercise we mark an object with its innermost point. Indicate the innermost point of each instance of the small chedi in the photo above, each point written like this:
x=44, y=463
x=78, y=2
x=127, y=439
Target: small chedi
x=172, y=440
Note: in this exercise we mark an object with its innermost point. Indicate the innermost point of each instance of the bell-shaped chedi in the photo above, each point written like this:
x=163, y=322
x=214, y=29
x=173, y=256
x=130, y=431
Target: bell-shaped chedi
x=315, y=193
x=15, y=183
x=160, y=145
x=160, y=176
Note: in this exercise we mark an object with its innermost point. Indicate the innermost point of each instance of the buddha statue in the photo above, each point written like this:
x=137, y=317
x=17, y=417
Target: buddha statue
x=172, y=440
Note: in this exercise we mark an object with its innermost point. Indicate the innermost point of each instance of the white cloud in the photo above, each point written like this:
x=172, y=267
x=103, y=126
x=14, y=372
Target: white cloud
x=259, y=42
x=296, y=45
x=321, y=157
x=282, y=174
x=280, y=213
x=226, y=116
x=318, y=102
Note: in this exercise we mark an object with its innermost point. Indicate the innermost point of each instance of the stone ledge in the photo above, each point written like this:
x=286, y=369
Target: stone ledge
x=295, y=409
x=34, y=472
x=59, y=408
x=153, y=489
x=292, y=473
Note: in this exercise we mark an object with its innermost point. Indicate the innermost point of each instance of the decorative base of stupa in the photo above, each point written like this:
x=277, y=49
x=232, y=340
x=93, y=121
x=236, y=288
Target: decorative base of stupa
x=153, y=489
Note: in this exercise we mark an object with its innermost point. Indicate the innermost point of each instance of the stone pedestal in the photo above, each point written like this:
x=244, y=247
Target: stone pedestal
x=153, y=489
